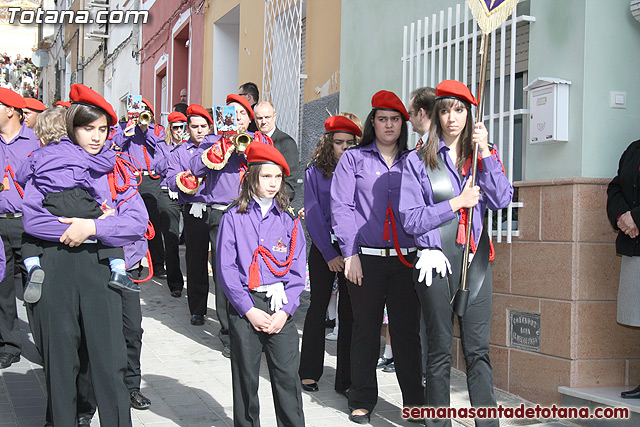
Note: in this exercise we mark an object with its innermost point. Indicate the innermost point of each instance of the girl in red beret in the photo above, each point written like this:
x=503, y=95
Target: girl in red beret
x=435, y=197
x=261, y=266
x=378, y=252
x=77, y=308
x=325, y=260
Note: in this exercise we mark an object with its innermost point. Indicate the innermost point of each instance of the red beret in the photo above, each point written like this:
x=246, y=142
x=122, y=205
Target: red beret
x=81, y=94
x=11, y=98
x=148, y=104
x=176, y=116
x=242, y=101
x=65, y=104
x=455, y=89
x=342, y=124
x=35, y=105
x=259, y=153
x=199, y=110
x=385, y=100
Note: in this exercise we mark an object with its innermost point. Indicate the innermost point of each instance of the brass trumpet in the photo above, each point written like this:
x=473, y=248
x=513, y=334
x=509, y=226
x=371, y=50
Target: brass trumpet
x=144, y=118
x=241, y=141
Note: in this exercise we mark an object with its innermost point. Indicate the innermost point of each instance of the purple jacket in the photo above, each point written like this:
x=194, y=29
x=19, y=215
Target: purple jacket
x=13, y=154
x=128, y=225
x=133, y=145
x=361, y=189
x=422, y=217
x=65, y=165
x=317, y=208
x=179, y=162
x=238, y=237
x=222, y=186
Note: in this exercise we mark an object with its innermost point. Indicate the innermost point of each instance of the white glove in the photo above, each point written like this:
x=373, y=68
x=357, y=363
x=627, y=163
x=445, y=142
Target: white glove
x=173, y=195
x=432, y=259
x=197, y=209
x=277, y=295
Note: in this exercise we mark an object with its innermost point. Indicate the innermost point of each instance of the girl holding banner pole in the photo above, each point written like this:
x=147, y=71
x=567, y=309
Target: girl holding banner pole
x=435, y=196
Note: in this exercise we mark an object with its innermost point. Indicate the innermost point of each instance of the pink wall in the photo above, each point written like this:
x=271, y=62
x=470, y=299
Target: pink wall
x=157, y=40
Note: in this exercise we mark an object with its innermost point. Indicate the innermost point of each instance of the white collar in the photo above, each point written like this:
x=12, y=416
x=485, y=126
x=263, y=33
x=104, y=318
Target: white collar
x=271, y=132
x=265, y=204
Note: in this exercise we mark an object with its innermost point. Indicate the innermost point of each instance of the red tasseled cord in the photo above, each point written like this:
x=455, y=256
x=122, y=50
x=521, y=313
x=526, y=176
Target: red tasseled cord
x=254, y=272
x=148, y=162
x=389, y=219
x=13, y=178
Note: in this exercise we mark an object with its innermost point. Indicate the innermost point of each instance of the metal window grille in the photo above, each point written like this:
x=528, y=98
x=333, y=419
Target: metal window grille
x=281, y=70
x=436, y=50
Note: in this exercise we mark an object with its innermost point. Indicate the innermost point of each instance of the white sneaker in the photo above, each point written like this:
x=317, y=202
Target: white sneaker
x=332, y=336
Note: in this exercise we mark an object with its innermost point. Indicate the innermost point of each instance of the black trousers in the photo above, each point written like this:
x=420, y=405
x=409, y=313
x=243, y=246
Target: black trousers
x=150, y=191
x=170, y=211
x=386, y=280
x=475, y=330
x=11, y=231
x=198, y=233
x=313, y=337
x=132, y=330
x=282, y=354
x=77, y=307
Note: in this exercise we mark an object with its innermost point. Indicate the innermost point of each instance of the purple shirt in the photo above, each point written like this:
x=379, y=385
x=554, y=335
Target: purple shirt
x=14, y=153
x=238, y=237
x=3, y=263
x=135, y=251
x=133, y=145
x=222, y=186
x=164, y=165
x=362, y=187
x=317, y=208
x=127, y=225
x=422, y=217
x=65, y=165
x=179, y=162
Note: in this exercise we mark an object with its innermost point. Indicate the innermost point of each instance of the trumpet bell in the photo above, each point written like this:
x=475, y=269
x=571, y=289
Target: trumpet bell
x=241, y=142
x=145, y=118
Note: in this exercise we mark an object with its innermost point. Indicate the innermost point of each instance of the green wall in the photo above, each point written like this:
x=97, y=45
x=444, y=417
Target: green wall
x=593, y=43
x=371, y=47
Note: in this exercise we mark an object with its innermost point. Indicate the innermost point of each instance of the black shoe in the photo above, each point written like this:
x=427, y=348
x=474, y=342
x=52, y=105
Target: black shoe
x=631, y=394
x=123, y=281
x=176, y=294
x=383, y=361
x=389, y=367
x=138, y=400
x=33, y=288
x=360, y=419
x=197, y=319
x=160, y=273
x=8, y=359
x=310, y=387
x=226, y=352
x=329, y=323
x=84, y=421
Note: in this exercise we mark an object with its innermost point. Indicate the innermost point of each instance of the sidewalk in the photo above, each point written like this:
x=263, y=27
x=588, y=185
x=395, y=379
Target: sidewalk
x=189, y=381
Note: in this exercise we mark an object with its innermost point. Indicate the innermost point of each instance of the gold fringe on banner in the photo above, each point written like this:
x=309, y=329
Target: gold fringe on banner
x=490, y=19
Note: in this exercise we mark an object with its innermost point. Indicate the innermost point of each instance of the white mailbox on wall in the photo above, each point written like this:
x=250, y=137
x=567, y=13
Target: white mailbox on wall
x=548, y=110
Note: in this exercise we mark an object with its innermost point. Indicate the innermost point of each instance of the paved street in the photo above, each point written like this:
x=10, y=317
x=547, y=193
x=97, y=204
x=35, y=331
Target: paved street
x=189, y=381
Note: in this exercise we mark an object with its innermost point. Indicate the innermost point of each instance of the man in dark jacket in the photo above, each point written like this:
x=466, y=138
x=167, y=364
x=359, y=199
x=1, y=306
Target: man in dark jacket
x=266, y=122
